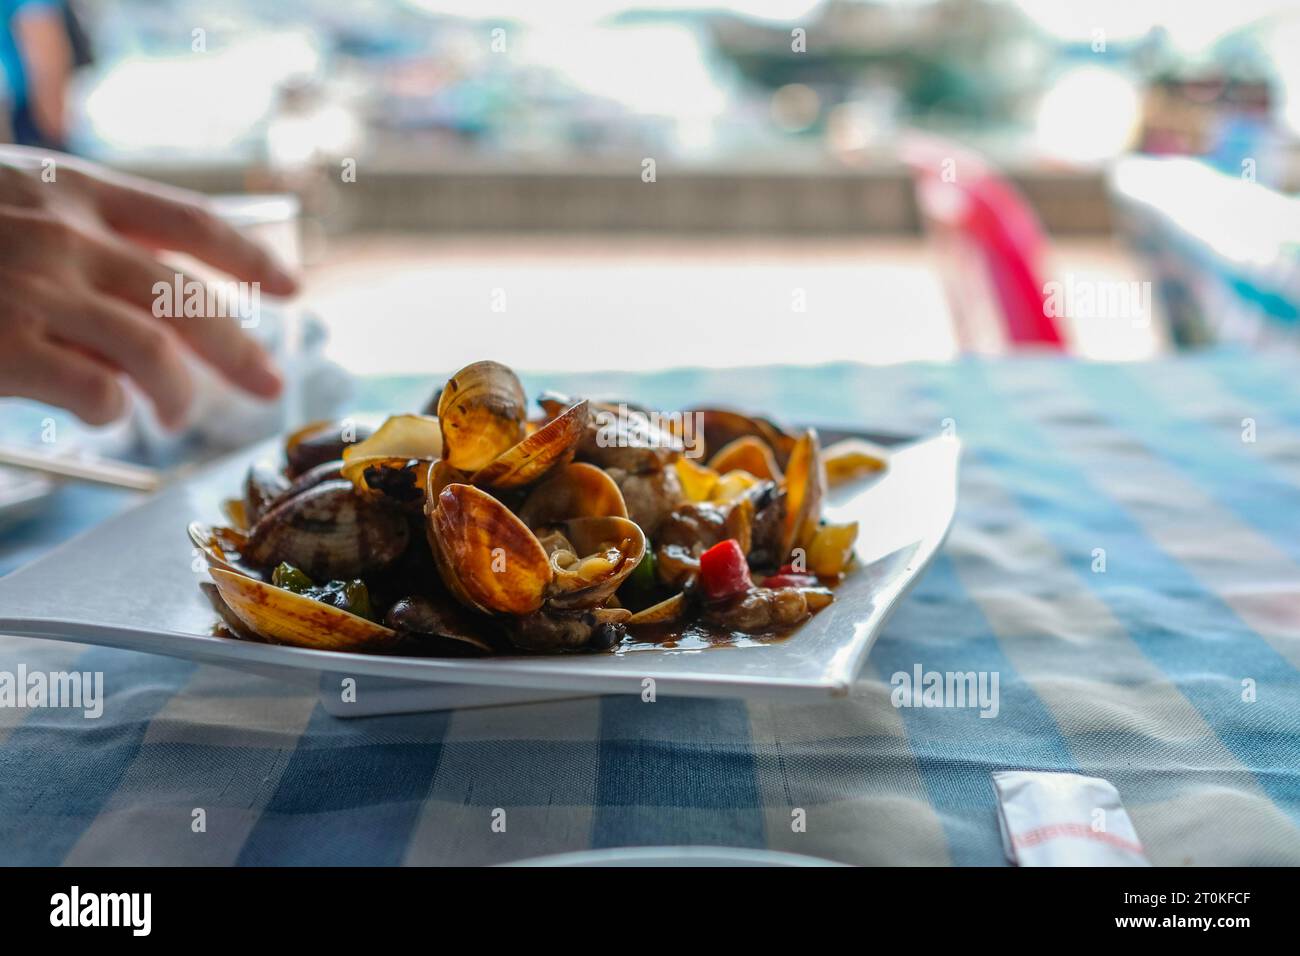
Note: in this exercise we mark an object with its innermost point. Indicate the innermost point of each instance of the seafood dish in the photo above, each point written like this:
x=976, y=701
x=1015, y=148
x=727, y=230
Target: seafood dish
x=475, y=528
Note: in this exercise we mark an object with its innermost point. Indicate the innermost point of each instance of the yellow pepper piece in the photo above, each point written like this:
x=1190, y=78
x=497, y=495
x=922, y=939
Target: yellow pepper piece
x=732, y=485
x=697, y=481
x=831, y=549
x=852, y=458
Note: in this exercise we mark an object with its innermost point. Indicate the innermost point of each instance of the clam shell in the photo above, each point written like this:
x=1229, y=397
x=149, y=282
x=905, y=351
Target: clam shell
x=401, y=436
x=486, y=556
x=665, y=612
x=288, y=618
x=236, y=513
x=592, y=536
x=401, y=480
x=423, y=616
x=612, y=439
x=574, y=491
x=440, y=476
x=747, y=453
x=481, y=409
x=805, y=487
x=319, y=442
x=221, y=547
x=722, y=426
x=552, y=445
x=330, y=532
x=263, y=484
x=330, y=470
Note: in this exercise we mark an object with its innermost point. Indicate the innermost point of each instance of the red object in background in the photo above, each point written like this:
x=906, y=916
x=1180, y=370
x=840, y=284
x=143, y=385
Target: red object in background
x=989, y=233
x=724, y=572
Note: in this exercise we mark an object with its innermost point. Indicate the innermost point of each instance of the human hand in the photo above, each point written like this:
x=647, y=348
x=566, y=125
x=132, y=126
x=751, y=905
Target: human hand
x=77, y=278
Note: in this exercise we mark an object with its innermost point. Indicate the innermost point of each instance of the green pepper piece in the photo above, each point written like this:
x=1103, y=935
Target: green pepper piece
x=644, y=577
x=290, y=578
x=358, y=599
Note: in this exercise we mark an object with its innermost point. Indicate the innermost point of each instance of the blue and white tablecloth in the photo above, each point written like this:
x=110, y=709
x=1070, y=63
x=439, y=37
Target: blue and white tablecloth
x=1126, y=558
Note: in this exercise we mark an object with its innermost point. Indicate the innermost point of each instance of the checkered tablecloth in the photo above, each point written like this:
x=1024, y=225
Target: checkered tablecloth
x=1171, y=673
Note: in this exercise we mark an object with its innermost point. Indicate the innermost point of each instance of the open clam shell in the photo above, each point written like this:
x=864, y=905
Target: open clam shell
x=805, y=487
x=401, y=436
x=747, y=453
x=552, y=445
x=401, y=480
x=486, y=556
x=236, y=513
x=221, y=547
x=575, y=490
x=394, y=462
x=288, y=618
x=481, y=409
x=665, y=612
x=722, y=426
x=606, y=549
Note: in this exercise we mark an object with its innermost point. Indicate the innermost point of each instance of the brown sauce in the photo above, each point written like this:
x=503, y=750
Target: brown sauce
x=693, y=637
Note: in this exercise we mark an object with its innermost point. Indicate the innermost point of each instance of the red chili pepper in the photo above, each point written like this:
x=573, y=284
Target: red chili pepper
x=724, y=572
x=784, y=580
x=787, y=576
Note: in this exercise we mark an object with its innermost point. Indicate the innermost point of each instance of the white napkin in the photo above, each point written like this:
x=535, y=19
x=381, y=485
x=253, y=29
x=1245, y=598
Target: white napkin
x=1064, y=819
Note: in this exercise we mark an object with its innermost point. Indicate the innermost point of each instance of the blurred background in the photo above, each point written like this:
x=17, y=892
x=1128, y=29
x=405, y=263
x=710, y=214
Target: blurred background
x=611, y=184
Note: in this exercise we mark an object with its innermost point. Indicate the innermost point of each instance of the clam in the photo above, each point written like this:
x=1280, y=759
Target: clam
x=747, y=453
x=550, y=446
x=486, y=556
x=619, y=436
x=319, y=442
x=576, y=490
x=221, y=547
x=330, y=532
x=482, y=410
x=262, y=485
x=265, y=487
x=805, y=487
x=557, y=630
x=722, y=426
x=602, y=552
x=394, y=462
x=288, y=618
x=485, y=434
x=422, y=616
x=665, y=612
x=492, y=561
x=236, y=512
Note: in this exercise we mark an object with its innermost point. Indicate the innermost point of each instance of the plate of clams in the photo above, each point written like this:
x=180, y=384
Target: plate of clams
x=488, y=547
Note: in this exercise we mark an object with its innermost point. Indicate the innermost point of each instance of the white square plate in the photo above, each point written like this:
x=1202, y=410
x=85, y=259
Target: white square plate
x=133, y=582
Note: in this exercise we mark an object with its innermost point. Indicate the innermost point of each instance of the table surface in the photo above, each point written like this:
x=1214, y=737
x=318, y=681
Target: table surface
x=1170, y=669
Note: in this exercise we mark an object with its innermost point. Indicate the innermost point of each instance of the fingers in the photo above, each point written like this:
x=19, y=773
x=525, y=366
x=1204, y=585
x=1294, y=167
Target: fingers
x=230, y=350
x=182, y=221
x=139, y=281
x=146, y=350
x=45, y=371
